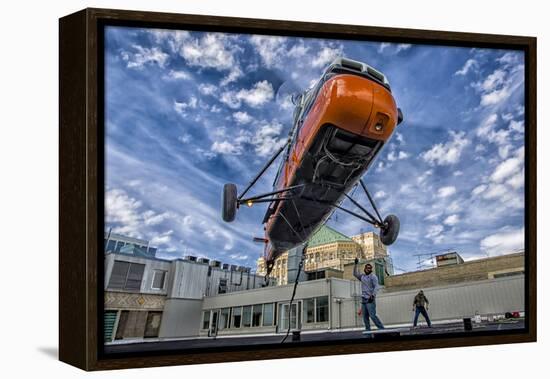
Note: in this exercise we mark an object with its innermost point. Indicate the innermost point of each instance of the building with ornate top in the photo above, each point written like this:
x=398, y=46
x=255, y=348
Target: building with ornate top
x=329, y=251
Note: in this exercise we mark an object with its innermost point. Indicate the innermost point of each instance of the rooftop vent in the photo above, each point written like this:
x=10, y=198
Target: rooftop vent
x=215, y=263
x=191, y=258
x=203, y=260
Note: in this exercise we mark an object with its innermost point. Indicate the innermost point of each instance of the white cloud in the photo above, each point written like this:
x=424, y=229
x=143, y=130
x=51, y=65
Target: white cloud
x=213, y=50
x=393, y=156
x=383, y=46
x=446, y=191
x=470, y=64
x=494, y=80
x=452, y=220
x=496, y=96
x=402, y=47
x=507, y=169
x=271, y=49
x=392, y=48
x=177, y=75
x=151, y=218
x=242, y=117
x=143, y=56
x=184, y=138
x=497, y=88
x=239, y=257
x=487, y=125
x=479, y=189
x=266, y=139
x=207, y=89
x=446, y=153
x=326, y=56
x=379, y=195
x=181, y=107
x=123, y=209
x=422, y=178
x=162, y=239
x=174, y=38
x=226, y=147
x=432, y=216
x=399, y=138
x=517, y=181
x=258, y=95
x=434, y=232
x=517, y=126
x=504, y=242
x=298, y=50
x=495, y=191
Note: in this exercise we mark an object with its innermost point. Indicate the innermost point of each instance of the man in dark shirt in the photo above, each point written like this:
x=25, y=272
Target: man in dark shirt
x=420, y=305
x=369, y=290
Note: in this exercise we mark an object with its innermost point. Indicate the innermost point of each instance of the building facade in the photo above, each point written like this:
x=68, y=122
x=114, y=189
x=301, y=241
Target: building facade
x=459, y=271
x=333, y=304
x=115, y=242
x=146, y=297
x=329, y=250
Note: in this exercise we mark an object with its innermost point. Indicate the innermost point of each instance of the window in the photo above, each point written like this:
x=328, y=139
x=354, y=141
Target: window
x=132, y=324
x=268, y=315
x=309, y=310
x=237, y=314
x=126, y=276
x=247, y=313
x=135, y=274
x=158, y=279
x=316, y=275
x=119, y=246
x=222, y=287
x=321, y=309
x=205, y=319
x=152, y=325
x=224, y=319
x=110, y=245
x=257, y=315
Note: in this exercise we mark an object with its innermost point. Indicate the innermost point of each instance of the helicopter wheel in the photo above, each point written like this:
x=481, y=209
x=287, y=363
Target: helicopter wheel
x=390, y=230
x=229, y=202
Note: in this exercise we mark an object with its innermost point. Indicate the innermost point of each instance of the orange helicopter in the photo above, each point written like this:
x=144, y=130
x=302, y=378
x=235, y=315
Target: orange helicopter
x=340, y=125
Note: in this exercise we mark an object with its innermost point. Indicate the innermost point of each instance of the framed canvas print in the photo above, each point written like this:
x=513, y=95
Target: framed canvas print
x=239, y=189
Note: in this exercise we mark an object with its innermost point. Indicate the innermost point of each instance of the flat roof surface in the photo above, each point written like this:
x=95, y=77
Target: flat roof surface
x=235, y=341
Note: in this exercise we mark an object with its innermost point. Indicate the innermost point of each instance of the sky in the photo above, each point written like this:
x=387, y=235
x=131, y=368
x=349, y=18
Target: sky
x=187, y=112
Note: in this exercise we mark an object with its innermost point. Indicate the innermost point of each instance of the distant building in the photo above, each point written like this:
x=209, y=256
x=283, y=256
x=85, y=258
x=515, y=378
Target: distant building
x=115, y=242
x=455, y=270
x=148, y=297
x=327, y=253
x=448, y=259
x=332, y=304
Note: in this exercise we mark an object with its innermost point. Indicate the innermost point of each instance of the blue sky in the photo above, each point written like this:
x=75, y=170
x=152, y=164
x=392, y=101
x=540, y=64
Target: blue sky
x=187, y=112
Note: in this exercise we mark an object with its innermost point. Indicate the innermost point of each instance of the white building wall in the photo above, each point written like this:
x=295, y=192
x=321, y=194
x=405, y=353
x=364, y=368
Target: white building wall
x=150, y=266
x=450, y=302
x=181, y=318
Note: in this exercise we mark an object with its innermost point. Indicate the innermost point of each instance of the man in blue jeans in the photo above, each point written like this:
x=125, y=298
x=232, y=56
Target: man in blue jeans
x=369, y=289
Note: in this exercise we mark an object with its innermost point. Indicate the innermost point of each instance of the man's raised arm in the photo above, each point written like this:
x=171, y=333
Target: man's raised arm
x=356, y=272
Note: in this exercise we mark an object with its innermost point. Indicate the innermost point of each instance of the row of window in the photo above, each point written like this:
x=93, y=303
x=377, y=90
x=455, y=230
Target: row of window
x=241, y=317
x=128, y=276
x=314, y=310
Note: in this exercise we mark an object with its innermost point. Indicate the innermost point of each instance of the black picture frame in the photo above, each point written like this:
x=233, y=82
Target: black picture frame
x=82, y=187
